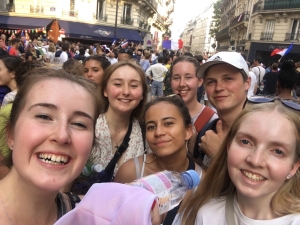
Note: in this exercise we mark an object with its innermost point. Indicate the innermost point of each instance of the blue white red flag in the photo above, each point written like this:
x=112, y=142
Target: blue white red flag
x=124, y=44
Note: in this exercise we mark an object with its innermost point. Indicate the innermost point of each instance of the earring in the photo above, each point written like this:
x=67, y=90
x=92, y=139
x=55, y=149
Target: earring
x=289, y=176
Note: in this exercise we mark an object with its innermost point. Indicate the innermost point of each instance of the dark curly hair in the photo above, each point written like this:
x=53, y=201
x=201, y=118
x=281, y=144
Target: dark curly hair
x=104, y=63
x=287, y=76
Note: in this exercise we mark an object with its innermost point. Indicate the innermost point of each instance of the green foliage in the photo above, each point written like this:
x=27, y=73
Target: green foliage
x=216, y=19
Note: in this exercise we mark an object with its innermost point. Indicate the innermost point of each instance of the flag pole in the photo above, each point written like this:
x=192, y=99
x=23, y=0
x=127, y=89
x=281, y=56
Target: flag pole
x=280, y=59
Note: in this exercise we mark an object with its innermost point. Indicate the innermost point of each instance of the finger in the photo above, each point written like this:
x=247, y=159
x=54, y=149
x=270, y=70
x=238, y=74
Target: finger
x=219, y=127
x=155, y=217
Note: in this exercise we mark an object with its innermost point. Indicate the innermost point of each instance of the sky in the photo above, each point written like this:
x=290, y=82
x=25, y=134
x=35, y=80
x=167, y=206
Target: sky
x=185, y=10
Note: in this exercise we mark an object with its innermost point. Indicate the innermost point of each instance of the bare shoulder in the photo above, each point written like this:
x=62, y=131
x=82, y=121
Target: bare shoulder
x=126, y=172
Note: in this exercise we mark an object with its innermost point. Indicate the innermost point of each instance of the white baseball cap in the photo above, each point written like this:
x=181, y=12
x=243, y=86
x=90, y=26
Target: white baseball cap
x=232, y=58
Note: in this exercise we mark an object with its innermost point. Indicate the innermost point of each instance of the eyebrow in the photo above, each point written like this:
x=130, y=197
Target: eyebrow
x=273, y=142
x=130, y=80
x=165, y=118
x=51, y=106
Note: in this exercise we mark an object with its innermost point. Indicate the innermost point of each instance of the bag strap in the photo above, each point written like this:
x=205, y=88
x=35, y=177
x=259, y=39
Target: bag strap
x=203, y=118
x=258, y=77
x=229, y=214
x=121, y=149
x=74, y=199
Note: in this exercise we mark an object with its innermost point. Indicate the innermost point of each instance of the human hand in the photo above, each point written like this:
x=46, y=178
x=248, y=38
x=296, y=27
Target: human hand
x=155, y=217
x=211, y=141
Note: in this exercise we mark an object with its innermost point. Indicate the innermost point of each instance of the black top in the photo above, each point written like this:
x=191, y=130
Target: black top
x=270, y=80
x=28, y=53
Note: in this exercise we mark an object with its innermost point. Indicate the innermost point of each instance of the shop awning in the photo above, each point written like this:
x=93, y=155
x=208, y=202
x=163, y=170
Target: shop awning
x=72, y=29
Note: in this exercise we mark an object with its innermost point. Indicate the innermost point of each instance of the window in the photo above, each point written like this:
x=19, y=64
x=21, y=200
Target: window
x=294, y=29
x=127, y=12
x=99, y=9
x=269, y=30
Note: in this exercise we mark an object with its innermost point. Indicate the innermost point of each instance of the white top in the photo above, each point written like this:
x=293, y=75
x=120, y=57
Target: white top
x=158, y=71
x=259, y=70
x=213, y=213
x=113, y=60
x=63, y=57
x=50, y=56
x=252, y=86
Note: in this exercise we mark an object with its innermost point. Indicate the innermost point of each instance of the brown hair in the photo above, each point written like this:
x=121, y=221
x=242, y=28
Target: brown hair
x=137, y=112
x=217, y=183
x=184, y=59
x=40, y=74
x=74, y=67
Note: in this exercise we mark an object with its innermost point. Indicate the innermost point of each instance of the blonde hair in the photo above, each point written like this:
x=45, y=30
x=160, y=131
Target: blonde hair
x=217, y=183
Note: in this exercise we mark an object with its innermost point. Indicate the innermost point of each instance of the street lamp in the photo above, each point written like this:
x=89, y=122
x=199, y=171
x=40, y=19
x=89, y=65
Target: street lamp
x=116, y=21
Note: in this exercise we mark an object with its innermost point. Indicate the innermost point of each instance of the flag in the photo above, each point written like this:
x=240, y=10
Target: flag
x=124, y=44
x=170, y=45
x=114, y=42
x=240, y=17
x=105, y=47
x=282, y=52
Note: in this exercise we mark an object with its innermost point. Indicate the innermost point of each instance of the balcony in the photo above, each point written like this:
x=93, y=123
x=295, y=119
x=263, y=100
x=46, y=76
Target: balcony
x=257, y=7
x=10, y=7
x=71, y=13
x=292, y=36
x=223, y=32
x=281, y=4
x=153, y=3
x=143, y=25
x=101, y=17
x=126, y=21
x=231, y=12
x=36, y=9
x=159, y=18
x=241, y=18
x=241, y=42
x=266, y=36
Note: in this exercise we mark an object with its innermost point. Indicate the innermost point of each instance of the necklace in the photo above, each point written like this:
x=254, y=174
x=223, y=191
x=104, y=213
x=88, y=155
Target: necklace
x=151, y=161
x=3, y=206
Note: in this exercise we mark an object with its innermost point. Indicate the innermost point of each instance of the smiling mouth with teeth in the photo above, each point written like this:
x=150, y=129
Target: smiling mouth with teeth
x=125, y=100
x=53, y=159
x=253, y=177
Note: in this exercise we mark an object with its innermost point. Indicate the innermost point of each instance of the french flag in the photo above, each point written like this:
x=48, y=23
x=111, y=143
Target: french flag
x=170, y=45
x=124, y=44
x=282, y=52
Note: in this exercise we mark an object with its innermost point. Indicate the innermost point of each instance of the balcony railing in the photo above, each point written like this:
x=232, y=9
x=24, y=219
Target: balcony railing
x=225, y=47
x=231, y=12
x=153, y=3
x=257, y=6
x=101, y=17
x=72, y=13
x=223, y=32
x=126, y=21
x=266, y=36
x=292, y=36
x=36, y=9
x=241, y=18
x=159, y=18
x=281, y=4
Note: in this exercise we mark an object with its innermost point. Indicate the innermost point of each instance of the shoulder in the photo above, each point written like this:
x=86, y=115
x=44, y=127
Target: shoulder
x=126, y=172
x=206, y=214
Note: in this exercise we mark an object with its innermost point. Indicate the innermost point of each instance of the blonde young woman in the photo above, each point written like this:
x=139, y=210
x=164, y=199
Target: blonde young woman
x=255, y=177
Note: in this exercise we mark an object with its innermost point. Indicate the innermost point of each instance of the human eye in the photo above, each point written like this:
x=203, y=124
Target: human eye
x=209, y=82
x=85, y=71
x=175, y=78
x=244, y=142
x=150, y=127
x=169, y=123
x=117, y=84
x=228, y=78
x=95, y=70
x=43, y=117
x=79, y=125
x=278, y=152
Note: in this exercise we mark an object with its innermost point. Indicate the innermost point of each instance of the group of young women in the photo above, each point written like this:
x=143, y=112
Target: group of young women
x=59, y=121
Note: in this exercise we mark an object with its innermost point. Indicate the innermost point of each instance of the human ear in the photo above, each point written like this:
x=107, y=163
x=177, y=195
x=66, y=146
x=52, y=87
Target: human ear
x=189, y=132
x=247, y=83
x=105, y=92
x=295, y=168
x=200, y=82
x=13, y=74
x=9, y=140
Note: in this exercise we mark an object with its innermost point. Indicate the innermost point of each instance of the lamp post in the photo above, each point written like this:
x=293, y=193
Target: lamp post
x=116, y=21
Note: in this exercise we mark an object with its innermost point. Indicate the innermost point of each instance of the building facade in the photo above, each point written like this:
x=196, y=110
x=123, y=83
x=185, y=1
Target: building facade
x=196, y=35
x=257, y=27
x=87, y=19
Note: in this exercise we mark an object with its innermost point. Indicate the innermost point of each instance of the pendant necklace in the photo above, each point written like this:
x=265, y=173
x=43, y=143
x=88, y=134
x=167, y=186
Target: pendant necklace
x=3, y=206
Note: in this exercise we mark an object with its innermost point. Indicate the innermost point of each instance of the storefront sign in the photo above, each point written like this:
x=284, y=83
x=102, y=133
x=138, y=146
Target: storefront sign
x=103, y=32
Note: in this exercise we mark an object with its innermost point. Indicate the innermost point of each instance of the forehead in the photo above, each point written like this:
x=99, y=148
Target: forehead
x=123, y=56
x=219, y=70
x=92, y=63
x=162, y=110
x=125, y=72
x=184, y=67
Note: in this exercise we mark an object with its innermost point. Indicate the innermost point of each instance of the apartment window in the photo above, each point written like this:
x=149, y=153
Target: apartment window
x=269, y=30
x=295, y=29
x=99, y=10
x=127, y=12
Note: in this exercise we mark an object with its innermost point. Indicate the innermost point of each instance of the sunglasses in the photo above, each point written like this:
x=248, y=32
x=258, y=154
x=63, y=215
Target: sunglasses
x=293, y=104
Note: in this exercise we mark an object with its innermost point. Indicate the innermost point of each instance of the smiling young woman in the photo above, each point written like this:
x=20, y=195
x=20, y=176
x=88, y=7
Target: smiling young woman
x=254, y=178
x=50, y=134
x=168, y=129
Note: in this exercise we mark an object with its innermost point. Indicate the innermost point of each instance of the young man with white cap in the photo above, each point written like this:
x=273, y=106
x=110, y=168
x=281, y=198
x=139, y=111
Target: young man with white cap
x=226, y=81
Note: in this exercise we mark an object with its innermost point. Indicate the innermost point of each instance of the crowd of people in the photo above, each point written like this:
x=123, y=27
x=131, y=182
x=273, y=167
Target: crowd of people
x=55, y=122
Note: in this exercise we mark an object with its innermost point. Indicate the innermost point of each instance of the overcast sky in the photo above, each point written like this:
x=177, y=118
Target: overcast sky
x=184, y=10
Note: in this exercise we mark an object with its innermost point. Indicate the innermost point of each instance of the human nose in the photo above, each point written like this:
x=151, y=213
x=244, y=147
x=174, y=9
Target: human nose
x=159, y=131
x=219, y=86
x=181, y=82
x=256, y=157
x=61, y=133
x=126, y=90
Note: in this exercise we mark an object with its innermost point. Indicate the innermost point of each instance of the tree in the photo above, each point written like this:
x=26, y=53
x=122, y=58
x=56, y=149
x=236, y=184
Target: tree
x=216, y=19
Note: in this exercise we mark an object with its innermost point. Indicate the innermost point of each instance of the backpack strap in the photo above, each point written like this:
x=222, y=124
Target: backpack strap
x=203, y=118
x=74, y=199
